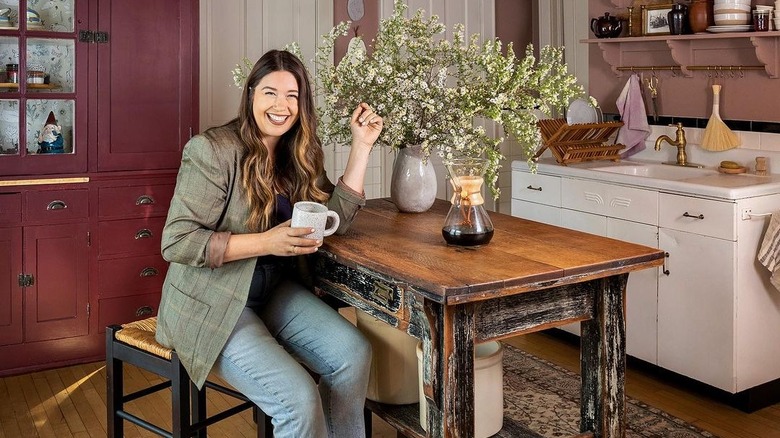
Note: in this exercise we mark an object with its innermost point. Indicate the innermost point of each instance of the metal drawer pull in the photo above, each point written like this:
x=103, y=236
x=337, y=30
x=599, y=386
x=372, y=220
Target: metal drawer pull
x=56, y=205
x=382, y=290
x=149, y=272
x=144, y=310
x=538, y=189
x=143, y=234
x=686, y=214
x=144, y=200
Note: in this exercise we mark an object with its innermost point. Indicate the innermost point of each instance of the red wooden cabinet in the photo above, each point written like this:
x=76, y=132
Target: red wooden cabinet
x=10, y=290
x=146, y=101
x=80, y=228
x=57, y=298
x=55, y=50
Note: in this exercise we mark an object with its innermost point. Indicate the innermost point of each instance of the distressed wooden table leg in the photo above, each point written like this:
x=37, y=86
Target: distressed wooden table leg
x=603, y=361
x=448, y=370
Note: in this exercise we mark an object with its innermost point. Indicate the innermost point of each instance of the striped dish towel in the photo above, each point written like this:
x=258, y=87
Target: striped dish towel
x=769, y=253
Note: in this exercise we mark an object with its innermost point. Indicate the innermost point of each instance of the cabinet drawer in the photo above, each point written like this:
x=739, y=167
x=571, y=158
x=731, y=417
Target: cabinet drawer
x=700, y=216
x=361, y=286
x=130, y=237
x=542, y=189
x=532, y=211
x=609, y=200
x=135, y=201
x=10, y=208
x=56, y=205
x=127, y=309
x=131, y=275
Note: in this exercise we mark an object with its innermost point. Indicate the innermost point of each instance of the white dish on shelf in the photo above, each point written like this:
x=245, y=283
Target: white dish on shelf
x=730, y=28
x=580, y=111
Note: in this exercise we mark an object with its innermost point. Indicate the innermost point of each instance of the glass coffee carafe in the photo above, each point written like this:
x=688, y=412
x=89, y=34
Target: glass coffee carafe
x=467, y=223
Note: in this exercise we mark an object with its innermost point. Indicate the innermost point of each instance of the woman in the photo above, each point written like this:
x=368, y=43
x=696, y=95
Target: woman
x=231, y=302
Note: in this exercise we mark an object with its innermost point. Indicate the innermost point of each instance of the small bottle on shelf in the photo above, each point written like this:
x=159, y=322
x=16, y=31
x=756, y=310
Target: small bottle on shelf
x=12, y=73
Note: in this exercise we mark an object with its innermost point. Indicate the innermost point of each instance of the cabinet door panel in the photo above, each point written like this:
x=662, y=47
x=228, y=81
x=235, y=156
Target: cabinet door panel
x=145, y=78
x=10, y=291
x=641, y=292
x=696, y=308
x=55, y=306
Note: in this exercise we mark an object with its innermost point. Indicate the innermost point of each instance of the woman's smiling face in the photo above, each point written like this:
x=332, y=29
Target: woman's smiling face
x=275, y=104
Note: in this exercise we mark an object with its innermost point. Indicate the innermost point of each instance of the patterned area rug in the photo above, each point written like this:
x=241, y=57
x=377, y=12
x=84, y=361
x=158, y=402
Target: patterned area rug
x=545, y=398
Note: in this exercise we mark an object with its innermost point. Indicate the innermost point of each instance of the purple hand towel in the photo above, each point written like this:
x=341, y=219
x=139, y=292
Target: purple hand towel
x=631, y=106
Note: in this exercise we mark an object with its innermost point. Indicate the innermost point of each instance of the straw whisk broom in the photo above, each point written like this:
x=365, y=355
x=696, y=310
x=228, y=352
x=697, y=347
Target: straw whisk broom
x=718, y=136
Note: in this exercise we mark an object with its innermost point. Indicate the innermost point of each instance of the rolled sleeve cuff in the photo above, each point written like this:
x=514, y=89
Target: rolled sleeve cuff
x=216, y=247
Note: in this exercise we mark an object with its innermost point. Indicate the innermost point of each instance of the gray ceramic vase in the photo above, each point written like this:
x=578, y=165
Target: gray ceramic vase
x=413, y=185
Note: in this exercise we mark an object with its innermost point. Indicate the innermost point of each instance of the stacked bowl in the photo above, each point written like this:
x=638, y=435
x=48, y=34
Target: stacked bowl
x=731, y=12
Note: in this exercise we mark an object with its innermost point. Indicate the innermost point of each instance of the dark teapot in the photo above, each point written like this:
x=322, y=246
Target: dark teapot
x=606, y=26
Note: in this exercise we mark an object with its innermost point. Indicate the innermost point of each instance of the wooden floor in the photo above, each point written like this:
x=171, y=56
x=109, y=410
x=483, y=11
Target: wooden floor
x=70, y=402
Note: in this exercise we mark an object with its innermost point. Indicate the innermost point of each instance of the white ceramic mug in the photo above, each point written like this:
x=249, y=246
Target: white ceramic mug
x=314, y=215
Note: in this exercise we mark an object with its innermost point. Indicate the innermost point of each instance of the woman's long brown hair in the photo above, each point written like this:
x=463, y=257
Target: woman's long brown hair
x=299, y=156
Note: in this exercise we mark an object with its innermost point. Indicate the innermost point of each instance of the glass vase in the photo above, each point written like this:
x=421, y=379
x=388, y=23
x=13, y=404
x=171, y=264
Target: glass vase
x=467, y=223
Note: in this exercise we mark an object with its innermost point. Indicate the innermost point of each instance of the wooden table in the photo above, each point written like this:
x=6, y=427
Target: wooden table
x=531, y=276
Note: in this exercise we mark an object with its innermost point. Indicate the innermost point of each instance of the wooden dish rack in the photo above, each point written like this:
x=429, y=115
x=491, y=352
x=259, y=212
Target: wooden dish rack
x=578, y=142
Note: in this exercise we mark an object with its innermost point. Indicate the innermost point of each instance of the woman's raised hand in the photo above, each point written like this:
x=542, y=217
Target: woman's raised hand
x=366, y=125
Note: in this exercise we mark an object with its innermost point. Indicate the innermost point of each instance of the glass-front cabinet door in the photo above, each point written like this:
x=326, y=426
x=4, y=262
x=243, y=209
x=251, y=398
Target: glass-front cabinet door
x=42, y=87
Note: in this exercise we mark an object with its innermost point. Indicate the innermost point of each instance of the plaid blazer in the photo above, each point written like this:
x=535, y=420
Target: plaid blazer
x=200, y=305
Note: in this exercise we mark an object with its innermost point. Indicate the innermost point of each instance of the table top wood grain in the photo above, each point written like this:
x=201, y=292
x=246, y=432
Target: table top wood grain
x=522, y=256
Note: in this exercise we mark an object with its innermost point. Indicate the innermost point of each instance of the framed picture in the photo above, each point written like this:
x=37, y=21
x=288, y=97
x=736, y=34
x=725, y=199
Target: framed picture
x=654, y=19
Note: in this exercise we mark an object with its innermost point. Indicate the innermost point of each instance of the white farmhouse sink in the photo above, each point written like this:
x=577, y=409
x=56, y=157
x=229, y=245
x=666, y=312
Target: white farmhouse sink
x=657, y=171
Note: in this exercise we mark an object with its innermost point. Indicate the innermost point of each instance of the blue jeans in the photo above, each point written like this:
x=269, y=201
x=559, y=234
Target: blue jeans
x=263, y=356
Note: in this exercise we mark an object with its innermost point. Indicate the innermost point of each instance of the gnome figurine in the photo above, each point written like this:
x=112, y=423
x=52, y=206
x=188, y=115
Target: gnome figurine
x=50, y=139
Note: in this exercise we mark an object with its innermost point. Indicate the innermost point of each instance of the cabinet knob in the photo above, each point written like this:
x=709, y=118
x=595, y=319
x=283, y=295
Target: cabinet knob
x=149, y=272
x=144, y=200
x=56, y=205
x=144, y=311
x=144, y=233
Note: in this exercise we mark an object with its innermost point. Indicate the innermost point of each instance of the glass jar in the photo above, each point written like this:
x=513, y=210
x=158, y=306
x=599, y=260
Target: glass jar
x=761, y=20
x=35, y=77
x=467, y=223
x=12, y=73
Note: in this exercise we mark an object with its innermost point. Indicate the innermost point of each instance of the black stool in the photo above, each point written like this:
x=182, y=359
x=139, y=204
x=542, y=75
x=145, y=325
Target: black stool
x=134, y=343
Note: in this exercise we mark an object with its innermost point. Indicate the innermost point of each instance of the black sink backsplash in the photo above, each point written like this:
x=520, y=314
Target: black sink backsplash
x=692, y=122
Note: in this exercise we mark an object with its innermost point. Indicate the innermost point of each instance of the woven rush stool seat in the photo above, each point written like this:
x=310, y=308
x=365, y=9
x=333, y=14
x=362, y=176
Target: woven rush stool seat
x=134, y=344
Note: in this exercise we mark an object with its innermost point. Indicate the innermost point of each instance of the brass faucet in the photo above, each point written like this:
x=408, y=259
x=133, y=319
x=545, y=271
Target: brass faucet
x=680, y=142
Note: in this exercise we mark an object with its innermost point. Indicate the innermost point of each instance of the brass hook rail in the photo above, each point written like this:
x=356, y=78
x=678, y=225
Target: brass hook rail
x=676, y=68
x=658, y=68
x=725, y=67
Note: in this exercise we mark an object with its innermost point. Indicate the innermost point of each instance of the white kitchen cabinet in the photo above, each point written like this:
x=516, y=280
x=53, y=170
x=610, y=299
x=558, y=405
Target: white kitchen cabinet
x=696, y=307
x=536, y=197
x=598, y=208
x=641, y=292
x=710, y=313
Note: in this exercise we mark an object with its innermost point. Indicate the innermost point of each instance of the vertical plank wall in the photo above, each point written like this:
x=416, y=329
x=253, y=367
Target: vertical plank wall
x=232, y=29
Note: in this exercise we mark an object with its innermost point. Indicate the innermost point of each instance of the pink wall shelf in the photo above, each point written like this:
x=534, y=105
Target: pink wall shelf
x=734, y=52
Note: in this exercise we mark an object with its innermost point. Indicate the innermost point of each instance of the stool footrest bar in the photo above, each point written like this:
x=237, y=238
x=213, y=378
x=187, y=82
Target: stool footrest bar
x=143, y=423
